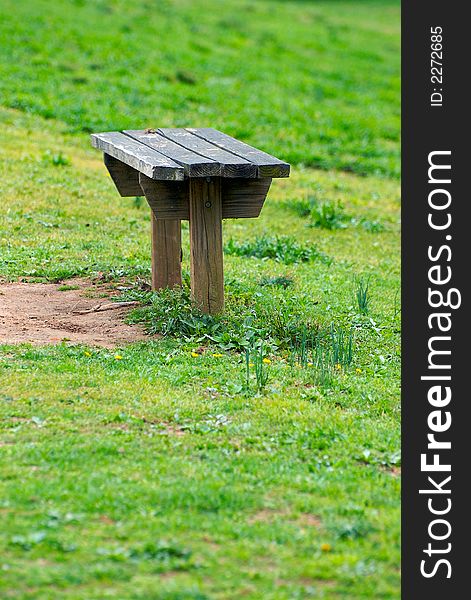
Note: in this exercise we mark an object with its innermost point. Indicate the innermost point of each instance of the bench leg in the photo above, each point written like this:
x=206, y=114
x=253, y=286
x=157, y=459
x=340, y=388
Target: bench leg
x=207, y=277
x=166, y=253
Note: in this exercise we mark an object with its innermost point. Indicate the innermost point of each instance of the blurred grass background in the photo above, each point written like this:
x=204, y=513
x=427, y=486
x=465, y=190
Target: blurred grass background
x=315, y=82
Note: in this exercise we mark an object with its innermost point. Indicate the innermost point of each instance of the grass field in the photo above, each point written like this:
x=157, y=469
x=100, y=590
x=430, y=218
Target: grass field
x=254, y=455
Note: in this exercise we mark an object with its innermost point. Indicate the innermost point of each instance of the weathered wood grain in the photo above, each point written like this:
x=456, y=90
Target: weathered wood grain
x=193, y=164
x=241, y=198
x=244, y=198
x=168, y=199
x=268, y=166
x=207, y=274
x=125, y=178
x=139, y=156
x=166, y=253
x=231, y=165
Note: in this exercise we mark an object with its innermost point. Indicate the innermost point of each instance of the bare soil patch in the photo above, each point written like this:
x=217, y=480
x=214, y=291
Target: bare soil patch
x=43, y=313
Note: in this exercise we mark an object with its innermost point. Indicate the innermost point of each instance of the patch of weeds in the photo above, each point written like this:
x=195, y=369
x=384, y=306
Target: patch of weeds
x=56, y=159
x=284, y=249
x=341, y=343
x=186, y=77
x=300, y=207
x=106, y=275
x=325, y=352
x=254, y=324
x=161, y=552
x=212, y=424
x=255, y=358
x=382, y=458
x=250, y=315
x=281, y=281
x=323, y=214
x=324, y=376
x=168, y=555
x=362, y=295
x=124, y=418
x=328, y=215
x=79, y=80
x=333, y=346
x=138, y=201
x=352, y=530
x=171, y=313
x=33, y=539
x=55, y=519
x=68, y=287
x=363, y=568
x=29, y=541
x=369, y=225
x=286, y=318
x=48, y=224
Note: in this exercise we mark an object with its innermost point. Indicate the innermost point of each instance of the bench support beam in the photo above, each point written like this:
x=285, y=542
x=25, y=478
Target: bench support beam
x=166, y=237
x=207, y=278
x=125, y=178
x=166, y=253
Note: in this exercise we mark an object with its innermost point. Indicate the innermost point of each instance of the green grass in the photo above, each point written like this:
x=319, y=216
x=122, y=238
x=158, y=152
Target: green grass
x=322, y=91
x=284, y=249
x=253, y=455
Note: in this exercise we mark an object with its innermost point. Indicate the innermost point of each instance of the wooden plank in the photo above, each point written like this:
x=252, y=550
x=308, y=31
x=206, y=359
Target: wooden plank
x=193, y=164
x=207, y=277
x=231, y=165
x=136, y=155
x=168, y=199
x=125, y=178
x=166, y=253
x=268, y=166
x=241, y=198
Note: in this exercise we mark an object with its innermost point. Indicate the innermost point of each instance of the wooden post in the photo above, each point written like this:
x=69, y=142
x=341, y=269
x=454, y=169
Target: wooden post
x=207, y=277
x=166, y=253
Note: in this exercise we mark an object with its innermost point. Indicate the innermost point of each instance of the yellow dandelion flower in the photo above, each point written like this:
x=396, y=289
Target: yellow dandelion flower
x=338, y=366
x=358, y=371
x=309, y=364
x=251, y=365
x=118, y=357
x=87, y=353
x=326, y=547
x=218, y=355
x=267, y=361
x=194, y=354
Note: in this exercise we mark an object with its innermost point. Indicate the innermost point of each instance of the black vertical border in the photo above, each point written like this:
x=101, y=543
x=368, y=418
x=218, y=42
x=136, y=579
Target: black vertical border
x=425, y=129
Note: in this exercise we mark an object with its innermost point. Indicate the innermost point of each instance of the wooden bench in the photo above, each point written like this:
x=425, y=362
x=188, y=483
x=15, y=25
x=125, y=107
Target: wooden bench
x=201, y=175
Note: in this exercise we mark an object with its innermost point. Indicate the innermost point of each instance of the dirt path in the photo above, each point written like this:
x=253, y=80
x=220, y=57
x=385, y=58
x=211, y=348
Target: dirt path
x=42, y=313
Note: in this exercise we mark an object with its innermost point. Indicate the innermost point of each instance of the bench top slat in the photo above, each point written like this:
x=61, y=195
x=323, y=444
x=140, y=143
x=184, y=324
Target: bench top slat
x=174, y=154
x=195, y=165
x=137, y=155
x=268, y=165
x=231, y=164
